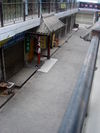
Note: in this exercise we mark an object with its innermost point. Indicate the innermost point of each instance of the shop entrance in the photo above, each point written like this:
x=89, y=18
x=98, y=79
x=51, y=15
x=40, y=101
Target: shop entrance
x=36, y=46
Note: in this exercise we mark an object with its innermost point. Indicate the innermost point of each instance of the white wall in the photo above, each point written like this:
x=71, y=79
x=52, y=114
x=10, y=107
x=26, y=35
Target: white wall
x=83, y=18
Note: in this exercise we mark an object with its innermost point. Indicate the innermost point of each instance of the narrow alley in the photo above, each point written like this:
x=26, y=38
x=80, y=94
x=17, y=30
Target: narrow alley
x=39, y=106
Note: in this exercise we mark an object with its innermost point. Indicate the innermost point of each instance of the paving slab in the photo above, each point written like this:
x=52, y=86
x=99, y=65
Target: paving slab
x=39, y=106
x=4, y=99
x=21, y=77
x=48, y=64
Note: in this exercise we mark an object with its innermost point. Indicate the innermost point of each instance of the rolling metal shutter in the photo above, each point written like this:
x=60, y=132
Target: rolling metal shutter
x=14, y=59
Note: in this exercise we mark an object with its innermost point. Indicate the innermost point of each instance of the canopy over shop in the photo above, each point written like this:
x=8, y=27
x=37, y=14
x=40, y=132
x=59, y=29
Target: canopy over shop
x=49, y=26
x=46, y=34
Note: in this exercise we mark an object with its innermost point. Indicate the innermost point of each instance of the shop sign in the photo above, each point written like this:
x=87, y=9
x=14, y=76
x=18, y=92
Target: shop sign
x=43, y=42
x=63, y=6
x=3, y=42
x=27, y=44
x=12, y=41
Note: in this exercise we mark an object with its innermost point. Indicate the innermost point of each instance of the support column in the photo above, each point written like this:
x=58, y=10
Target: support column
x=48, y=46
x=3, y=65
x=39, y=50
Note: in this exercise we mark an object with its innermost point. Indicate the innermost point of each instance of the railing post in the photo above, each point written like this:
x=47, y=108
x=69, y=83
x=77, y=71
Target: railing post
x=24, y=15
x=39, y=8
x=39, y=50
x=48, y=47
x=70, y=5
x=49, y=6
x=1, y=15
x=56, y=6
x=3, y=65
x=66, y=6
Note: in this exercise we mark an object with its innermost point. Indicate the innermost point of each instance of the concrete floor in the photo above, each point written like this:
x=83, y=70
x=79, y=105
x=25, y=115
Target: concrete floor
x=20, y=77
x=92, y=123
x=40, y=105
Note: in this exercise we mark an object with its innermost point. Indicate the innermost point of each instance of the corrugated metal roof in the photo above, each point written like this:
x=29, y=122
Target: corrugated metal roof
x=50, y=24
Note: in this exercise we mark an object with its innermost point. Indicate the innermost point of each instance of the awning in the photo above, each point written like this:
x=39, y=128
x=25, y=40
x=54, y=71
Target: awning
x=49, y=24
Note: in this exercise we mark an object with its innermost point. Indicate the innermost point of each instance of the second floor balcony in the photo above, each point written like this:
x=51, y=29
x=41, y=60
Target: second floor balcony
x=14, y=12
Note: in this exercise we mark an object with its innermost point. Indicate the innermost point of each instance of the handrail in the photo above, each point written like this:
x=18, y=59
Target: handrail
x=77, y=109
x=16, y=11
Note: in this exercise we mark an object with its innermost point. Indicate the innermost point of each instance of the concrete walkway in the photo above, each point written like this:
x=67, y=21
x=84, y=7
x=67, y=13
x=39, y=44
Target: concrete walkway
x=40, y=105
x=92, y=123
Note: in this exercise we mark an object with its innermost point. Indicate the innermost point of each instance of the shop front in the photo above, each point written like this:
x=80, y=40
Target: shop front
x=18, y=57
x=51, y=26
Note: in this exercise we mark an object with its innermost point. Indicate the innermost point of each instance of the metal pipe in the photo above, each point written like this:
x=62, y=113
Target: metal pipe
x=77, y=109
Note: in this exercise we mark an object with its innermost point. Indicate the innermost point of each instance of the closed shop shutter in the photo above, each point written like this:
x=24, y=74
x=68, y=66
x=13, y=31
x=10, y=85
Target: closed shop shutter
x=83, y=18
x=14, y=59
